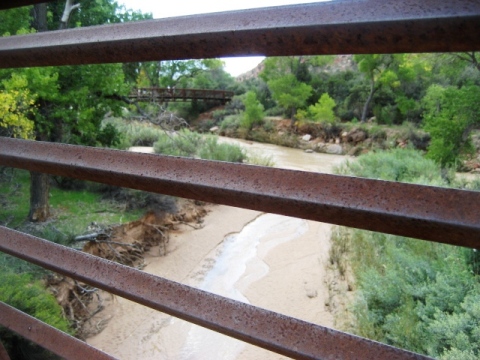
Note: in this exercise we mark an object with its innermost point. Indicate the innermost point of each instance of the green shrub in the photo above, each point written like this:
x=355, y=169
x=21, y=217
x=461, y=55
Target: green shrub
x=211, y=149
x=403, y=165
x=230, y=123
x=190, y=144
x=323, y=109
x=31, y=297
x=253, y=114
x=418, y=295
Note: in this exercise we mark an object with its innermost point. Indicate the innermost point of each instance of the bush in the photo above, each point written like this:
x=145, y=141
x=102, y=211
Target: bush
x=190, y=144
x=253, y=114
x=211, y=149
x=403, y=165
x=230, y=124
x=417, y=295
x=31, y=297
x=323, y=109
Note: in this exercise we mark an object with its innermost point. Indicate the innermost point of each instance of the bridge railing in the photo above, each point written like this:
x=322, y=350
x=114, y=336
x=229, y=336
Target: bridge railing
x=337, y=27
x=180, y=94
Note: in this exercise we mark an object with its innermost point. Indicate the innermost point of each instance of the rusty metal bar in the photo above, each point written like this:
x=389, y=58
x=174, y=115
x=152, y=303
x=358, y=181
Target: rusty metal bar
x=3, y=352
x=267, y=329
x=9, y=4
x=47, y=336
x=335, y=27
x=425, y=212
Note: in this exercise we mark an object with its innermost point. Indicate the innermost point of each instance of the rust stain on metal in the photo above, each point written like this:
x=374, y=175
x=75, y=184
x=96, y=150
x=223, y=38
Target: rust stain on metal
x=336, y=27
x=47, y=336
x=424, y=212
x=272, y=331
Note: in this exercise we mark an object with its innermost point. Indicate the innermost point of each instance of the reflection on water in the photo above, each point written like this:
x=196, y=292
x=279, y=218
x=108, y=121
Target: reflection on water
x=239, y=264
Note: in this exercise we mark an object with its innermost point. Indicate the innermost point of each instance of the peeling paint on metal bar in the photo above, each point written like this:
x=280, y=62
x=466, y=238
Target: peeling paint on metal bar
x=272, y=331
x=424, y=212
x=335, y=27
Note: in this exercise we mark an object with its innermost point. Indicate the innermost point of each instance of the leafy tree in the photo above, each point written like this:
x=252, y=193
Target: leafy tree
x=323, y=109
x=70, y=102
x=376, y=69
x=12, y=20
x=450, y=115
x=15, y=105
x=290, y=93
x=176, y=73
x=253, y=114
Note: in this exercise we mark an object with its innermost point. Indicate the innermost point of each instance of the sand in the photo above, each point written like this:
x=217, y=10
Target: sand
x=283, y=269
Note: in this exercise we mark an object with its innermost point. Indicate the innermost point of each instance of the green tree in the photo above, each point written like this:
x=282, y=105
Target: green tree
x=15, y=105
x=323, y=109
x=450, y=115
x=253, y=114
x=12, y=20
x=71, y=101
x=290, y=93
x=376, y=68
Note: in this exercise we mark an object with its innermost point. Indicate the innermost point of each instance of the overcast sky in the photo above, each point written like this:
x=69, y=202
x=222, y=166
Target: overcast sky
x=163, y=9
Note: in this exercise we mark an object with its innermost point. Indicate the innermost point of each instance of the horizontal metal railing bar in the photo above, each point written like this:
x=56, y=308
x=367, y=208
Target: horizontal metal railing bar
x=47, y=336
x=267, y=329
x=424, y=212
x=335, y=27
x=10, y=4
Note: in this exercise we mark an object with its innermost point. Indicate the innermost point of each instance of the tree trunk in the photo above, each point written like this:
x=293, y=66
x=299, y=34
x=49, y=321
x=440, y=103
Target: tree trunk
x=292, y=116
x=39, y=194
x=69, y=7
x=40, y=183
x=40, y=17
x=369, y=100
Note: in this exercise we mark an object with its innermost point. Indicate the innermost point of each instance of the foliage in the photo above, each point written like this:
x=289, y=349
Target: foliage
x=253, y=114
x=449, y=116
x=13, y=20
x=31, y=297
x=211, y=149
x=289, y=92
x=323, y=109
x=15, y=105
x=190, y=144
x=418, y=295
x=403, y=165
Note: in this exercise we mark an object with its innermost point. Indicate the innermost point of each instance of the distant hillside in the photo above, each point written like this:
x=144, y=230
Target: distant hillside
x=251, y=74
x=341, y=63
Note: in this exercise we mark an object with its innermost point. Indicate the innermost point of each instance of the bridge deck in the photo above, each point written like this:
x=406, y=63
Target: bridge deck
x=174, y=94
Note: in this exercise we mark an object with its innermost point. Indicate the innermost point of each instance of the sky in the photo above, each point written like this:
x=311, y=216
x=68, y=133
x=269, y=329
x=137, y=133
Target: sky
x=163, y=9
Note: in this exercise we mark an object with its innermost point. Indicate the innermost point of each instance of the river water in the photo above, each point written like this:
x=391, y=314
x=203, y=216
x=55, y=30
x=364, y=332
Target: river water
x=268, y=260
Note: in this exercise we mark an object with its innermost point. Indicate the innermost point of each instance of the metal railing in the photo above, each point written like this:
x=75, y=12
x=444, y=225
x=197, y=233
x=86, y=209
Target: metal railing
x=338, y=27
x=163, y=95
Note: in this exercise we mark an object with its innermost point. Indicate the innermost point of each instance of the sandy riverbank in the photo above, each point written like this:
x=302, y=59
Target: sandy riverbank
x=267, y=260
x=293, y=285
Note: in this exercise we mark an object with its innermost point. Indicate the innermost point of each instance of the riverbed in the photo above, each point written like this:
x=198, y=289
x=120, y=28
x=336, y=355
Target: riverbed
x=267, y=260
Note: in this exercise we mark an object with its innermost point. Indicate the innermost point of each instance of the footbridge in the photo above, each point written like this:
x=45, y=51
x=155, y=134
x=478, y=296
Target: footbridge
x=162, y=95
